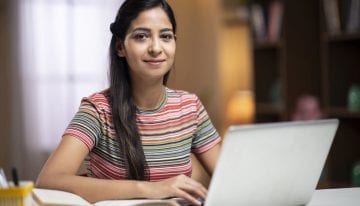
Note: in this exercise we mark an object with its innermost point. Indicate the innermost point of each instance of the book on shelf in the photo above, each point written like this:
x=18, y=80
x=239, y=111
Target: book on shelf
x=353, y=16
x=332, y=16
x=266, y=20
x=46, y=197
x=258, y=24
x=275, y=20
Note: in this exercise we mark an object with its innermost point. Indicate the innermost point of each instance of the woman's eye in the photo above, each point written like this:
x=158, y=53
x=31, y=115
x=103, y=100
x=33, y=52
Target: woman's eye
x=167, y=37
x=140, y=36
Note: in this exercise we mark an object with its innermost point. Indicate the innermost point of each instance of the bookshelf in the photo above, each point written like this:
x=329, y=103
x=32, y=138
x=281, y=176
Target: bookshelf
x=310, y=58
x=268, y=71
x=268, y=62
x=340, y=69
x=286, y=66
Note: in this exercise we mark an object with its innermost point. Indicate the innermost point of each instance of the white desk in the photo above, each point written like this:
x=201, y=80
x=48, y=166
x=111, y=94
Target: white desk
x=325, y=197
x=336, y=197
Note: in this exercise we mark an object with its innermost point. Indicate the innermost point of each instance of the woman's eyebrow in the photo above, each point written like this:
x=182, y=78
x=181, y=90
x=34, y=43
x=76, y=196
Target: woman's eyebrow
x=141, y=29
x=166, y=30
x=149, y=30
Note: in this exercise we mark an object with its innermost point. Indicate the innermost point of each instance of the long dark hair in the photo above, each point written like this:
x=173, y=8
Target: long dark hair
x=121, y=99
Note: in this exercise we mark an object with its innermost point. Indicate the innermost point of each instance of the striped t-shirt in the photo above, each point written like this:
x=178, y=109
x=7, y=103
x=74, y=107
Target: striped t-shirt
x=179, y=126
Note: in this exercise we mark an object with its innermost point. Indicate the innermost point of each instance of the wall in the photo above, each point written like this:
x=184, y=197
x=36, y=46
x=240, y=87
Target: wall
x=196, y=61
x=235, y=62
x=5, y=90
x=212, y=59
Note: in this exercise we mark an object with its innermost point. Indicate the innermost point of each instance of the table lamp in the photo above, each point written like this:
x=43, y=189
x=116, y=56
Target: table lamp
x=240, y=108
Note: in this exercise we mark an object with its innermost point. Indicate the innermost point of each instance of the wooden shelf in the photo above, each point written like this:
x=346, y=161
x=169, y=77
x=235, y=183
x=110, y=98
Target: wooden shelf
x=341, y=112
x=340, y=62
x=308, y=60
x=332, y=184
x=233, y=17
x=268, y=109
x=289, y=67
x=265, y=45
x=342, y=37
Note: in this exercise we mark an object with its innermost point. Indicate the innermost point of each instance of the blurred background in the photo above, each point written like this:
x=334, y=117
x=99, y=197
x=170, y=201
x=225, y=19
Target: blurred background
x=249, y=61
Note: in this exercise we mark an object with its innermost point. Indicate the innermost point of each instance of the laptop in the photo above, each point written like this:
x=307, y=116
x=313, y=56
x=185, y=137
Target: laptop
x=271, y=163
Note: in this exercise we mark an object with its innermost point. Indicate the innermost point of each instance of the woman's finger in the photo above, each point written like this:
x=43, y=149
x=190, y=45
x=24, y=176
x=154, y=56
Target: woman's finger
x=195, y=189
x=190, y=198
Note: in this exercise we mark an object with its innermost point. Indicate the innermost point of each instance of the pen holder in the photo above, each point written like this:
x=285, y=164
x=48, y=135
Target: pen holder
x=17, y=196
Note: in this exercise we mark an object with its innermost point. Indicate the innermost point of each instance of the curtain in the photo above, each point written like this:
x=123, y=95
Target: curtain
x=62, y=57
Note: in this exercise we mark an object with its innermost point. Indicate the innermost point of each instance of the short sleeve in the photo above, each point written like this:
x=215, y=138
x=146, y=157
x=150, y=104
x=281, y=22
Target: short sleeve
x=206, y=135
x=85, y=125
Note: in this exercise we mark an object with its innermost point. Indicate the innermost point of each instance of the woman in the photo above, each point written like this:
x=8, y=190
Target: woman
x=138, y=134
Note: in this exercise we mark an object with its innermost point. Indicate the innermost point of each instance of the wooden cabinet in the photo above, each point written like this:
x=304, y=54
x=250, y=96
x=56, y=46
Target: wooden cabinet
x=308, y=59
x=340, y=70
x=269, y=81
x=288, y=66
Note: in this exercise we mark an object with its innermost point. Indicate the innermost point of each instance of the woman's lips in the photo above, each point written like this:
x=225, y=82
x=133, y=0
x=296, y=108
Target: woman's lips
x=154, y=61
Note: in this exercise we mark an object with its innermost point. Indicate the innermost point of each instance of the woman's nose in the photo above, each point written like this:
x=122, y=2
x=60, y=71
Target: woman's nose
x=155, y=47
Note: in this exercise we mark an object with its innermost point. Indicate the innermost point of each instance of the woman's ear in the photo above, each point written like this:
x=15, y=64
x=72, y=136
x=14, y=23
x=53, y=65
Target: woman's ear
x=120, y=49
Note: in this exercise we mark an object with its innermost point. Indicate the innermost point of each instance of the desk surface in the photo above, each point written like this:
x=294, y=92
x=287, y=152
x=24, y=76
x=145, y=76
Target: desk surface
x=324, y=197
x=336, y=197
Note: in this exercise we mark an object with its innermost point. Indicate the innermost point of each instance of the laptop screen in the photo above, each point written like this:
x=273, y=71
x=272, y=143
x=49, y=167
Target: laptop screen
x=271, y=164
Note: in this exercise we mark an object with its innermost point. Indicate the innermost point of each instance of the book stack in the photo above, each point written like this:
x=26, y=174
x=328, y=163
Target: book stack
x=46, y=197
x=266, y=20
x=342, y=16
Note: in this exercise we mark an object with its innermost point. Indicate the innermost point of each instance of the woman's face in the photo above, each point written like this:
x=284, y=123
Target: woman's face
x=149, y=46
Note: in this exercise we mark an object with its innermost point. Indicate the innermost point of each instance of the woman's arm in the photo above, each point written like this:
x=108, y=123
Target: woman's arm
x=209, y=158
x=60, y=170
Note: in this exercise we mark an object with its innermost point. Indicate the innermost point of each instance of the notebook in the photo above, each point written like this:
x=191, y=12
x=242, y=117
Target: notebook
x=47, y=197
x=271, y=163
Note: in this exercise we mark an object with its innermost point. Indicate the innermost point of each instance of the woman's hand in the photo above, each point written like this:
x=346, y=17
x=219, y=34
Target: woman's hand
x=180, y=186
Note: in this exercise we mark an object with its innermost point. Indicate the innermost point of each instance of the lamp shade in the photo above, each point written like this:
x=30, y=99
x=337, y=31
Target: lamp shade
x=240, y=108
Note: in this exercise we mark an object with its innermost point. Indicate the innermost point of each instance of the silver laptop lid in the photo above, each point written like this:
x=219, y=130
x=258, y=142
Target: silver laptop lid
x=271, y=164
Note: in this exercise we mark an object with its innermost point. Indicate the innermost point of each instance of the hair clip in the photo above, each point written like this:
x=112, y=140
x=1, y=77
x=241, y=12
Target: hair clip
x=112, y=28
